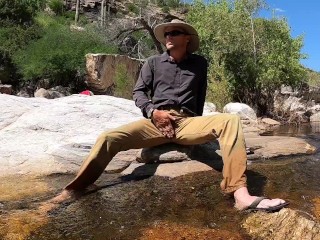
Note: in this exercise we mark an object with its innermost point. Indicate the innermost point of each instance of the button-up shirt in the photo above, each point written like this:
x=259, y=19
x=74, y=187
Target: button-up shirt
x=164, y=83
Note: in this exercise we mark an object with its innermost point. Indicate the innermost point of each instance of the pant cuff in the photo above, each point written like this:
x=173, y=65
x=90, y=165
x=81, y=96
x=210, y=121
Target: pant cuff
x=231, y=190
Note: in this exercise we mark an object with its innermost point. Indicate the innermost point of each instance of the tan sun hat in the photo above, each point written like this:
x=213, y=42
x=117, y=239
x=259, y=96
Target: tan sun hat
x=193, y=45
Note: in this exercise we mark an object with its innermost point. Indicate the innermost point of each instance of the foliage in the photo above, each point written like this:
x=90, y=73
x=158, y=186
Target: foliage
x=133, y=8
x=165, y=9
x=56, y=6
x=169, y=3
x=123, y=83
x=251, y=56
x=14, y=37
x=59, y=54
x=313, y=78
x=19, y=11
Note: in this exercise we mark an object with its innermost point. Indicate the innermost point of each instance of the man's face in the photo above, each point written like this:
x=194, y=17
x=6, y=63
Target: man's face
x=175, y=39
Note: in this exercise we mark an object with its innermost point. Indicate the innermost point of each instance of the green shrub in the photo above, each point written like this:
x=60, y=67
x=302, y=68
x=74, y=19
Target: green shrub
x=14, y=37
x=219, y=93
x=169, y=3
x=19, y=11
x=165, y=9
x=123, y=83
x=133, y=8
x=56, y=6
x=59, y=55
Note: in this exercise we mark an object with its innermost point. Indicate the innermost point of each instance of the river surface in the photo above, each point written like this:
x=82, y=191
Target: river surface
x=188, y=207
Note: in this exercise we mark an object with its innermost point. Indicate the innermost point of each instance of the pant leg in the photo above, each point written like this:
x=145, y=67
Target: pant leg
x=227, y=128
x=135, y=135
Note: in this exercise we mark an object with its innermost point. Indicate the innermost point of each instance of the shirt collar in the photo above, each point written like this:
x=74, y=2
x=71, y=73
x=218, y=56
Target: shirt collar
x=165, y=57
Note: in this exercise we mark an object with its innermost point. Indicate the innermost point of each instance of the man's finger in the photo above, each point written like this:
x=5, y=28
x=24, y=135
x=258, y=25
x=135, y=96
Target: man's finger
x=171, y=117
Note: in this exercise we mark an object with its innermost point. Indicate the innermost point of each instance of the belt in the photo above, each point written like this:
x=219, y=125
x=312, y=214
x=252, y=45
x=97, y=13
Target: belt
x=177, y=109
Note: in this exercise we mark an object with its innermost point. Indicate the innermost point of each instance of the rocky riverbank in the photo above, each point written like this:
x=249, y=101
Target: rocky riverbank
x=43, y=142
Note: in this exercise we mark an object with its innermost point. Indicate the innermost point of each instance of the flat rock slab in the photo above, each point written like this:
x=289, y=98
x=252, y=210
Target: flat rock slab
x=170, y=170
x=285, y=224
x=274, y=146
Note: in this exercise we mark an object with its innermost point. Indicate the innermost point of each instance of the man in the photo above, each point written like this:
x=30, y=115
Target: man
x=176, y=82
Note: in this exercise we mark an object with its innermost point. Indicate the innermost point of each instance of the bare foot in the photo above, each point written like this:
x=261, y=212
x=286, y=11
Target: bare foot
x=243, y=200
x=65, y=195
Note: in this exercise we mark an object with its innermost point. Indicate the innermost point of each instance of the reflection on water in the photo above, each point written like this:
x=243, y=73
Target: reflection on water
x=295, y=130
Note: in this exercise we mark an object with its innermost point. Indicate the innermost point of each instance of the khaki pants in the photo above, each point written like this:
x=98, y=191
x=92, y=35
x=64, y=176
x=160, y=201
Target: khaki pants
x=189, y=131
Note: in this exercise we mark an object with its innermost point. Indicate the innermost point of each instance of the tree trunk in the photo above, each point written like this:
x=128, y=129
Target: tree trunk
x=150, y=30
x=103, y=13
x=77, y=12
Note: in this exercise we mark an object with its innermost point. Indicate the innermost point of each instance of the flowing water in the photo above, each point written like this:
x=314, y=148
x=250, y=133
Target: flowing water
x=188, y=207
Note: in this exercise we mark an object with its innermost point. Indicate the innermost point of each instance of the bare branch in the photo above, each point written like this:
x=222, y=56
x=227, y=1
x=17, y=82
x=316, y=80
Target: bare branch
x=150, y=30
x=128, y=31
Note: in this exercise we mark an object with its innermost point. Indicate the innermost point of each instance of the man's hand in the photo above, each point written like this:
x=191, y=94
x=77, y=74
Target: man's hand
x=162, y=121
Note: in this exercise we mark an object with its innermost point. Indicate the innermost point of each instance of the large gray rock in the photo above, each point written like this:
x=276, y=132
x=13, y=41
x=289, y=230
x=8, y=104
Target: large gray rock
x=46, y=136
x=315, y=117
x=170, y=170
x=41, y=136
x=165, y=153
x=244, y=111
x=54, y=92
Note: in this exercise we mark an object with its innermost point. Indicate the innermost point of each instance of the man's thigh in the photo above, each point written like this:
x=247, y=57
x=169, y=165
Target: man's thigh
x=138, y=134
x=198, y=130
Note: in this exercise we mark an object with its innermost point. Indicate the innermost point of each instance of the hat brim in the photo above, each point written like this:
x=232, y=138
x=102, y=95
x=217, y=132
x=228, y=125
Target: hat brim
x=194, y=38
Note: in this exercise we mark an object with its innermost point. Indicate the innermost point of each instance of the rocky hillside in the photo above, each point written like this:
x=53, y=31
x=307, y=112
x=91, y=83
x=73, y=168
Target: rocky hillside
x=152, y=10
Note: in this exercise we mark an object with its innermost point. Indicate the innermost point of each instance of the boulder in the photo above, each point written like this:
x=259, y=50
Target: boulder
x=315, y=117
x=102, y=69
x=6, y=89
x=209, y=108
x=46, y=136
x=170, y=170
x=269, y=121
x=244, y=111
x=314, y=109
x=164, y=153
x=55, y=92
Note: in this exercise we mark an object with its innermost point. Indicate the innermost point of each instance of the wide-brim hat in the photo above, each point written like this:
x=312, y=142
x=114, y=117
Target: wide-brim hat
x=193, y=44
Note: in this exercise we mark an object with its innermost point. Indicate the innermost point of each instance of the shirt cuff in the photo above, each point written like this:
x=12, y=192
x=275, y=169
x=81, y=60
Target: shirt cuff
x=149, y=110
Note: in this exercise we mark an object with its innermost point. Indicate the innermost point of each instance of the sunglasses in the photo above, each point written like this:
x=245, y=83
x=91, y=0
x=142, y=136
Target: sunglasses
x=173, y=33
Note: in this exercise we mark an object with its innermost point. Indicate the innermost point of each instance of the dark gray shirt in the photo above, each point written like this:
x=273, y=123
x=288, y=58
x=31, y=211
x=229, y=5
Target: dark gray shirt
x=164, y=83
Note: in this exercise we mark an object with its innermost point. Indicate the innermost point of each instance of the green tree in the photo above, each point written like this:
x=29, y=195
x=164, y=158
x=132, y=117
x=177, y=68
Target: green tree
x=19, y=11
x=251, y=57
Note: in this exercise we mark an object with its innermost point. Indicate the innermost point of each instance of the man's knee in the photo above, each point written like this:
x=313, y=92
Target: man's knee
x=229, y=117
x=109, y=137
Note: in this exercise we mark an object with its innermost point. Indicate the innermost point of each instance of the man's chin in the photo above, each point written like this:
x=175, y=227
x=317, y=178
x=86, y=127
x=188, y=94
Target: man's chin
x=169, y=46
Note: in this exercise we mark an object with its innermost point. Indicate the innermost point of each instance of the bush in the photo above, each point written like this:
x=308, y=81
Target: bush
x=56, y=6
x=59, y=55
x=165, y=9
x=133, y=8
x=19, y=11
x=254, y=66
x=219, y=93
x=123, y=83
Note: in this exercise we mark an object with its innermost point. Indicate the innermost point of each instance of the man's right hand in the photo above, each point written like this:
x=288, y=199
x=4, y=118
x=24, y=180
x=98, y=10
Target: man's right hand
x=162, y=121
